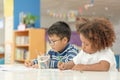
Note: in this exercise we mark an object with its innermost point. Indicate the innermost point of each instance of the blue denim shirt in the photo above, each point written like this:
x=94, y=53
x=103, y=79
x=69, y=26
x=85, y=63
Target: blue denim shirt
x=66, y=55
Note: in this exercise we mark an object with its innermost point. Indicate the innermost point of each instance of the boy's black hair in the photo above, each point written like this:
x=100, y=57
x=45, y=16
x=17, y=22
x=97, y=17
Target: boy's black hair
x=61, y=29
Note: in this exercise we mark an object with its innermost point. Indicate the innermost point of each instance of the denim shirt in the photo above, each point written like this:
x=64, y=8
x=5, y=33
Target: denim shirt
x=66, y=55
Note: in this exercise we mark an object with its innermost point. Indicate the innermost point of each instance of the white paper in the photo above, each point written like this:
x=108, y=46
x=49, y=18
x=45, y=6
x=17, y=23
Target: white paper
x=14, y=68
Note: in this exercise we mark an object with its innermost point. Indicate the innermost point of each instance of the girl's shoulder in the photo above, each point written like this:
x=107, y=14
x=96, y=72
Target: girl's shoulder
x=107, y=50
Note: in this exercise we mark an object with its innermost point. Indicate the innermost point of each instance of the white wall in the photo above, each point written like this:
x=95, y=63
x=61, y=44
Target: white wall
x=116, y=46
x=113, y=13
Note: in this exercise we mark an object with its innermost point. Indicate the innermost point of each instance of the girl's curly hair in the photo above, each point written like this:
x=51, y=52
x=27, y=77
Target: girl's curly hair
x=99, y=31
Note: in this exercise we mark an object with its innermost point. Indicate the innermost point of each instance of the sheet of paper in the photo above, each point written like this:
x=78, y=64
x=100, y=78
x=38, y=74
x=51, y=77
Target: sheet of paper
x=14, y=68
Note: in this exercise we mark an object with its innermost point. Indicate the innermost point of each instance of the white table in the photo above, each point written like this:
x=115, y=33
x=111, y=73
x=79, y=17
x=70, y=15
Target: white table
x=55, y=74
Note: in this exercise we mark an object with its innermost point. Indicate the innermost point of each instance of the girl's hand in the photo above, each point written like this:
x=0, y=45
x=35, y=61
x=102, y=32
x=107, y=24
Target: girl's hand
x=79, y=67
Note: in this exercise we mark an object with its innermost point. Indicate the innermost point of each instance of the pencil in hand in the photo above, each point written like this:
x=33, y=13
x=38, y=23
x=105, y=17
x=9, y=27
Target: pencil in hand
x=38, y=53
x=59, y=58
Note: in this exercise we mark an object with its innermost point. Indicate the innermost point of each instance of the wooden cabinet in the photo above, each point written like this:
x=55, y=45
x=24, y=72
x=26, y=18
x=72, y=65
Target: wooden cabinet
x=27, y=43
x=2, y=55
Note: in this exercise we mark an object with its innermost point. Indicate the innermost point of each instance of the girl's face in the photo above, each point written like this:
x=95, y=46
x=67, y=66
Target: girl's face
x=86, y=45
x=56, y=43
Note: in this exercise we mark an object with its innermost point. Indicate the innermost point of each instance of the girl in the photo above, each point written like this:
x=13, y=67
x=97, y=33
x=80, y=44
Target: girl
x=97, y=36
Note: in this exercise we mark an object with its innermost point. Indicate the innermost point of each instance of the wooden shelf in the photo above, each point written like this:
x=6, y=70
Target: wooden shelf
x=26, y=42
x=20, y=61
x=26, y=45
x=1, y=55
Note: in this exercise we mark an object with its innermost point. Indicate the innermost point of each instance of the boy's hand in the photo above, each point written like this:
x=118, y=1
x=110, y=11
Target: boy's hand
x=28, y=63
x=35, y=66
x=65, y=66
x=61, y=65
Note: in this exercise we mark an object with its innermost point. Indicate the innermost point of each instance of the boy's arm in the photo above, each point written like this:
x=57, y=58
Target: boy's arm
x=70, y=56
x=53, y=61
x=35, y=61
x=68, y=60
x=101, y=66
x=31, y=63
x=65, y=66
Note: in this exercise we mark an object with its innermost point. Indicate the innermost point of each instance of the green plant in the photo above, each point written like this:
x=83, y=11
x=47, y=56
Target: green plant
x=30, y=19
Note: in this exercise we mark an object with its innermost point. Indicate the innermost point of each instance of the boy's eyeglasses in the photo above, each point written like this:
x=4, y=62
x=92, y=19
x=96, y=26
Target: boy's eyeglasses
x=53, y=42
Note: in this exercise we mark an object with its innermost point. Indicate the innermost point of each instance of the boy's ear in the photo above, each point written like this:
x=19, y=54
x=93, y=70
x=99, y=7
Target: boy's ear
x=65, y=40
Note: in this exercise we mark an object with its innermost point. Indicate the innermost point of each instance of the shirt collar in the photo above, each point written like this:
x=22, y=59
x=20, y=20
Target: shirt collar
x=64, y=48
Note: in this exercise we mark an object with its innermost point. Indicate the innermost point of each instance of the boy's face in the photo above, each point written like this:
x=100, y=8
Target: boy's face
x=86, y=45
x=56, y=43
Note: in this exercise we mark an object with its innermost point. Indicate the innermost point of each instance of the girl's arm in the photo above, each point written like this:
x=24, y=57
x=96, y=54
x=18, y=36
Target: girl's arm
x=101, y=66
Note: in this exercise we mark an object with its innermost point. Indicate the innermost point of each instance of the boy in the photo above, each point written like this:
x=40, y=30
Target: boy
x=62, y=51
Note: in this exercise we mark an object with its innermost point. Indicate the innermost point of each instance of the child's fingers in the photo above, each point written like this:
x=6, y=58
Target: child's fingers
x=35, y=66
x=59, y=63
x=62, y=66
x=28, y=63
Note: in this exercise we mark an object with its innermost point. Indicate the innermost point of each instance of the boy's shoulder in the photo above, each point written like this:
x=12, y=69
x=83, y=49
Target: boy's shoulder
x=71, y=48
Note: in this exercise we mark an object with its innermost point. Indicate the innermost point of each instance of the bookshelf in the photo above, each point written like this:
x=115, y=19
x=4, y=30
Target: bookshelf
x=27, y=42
